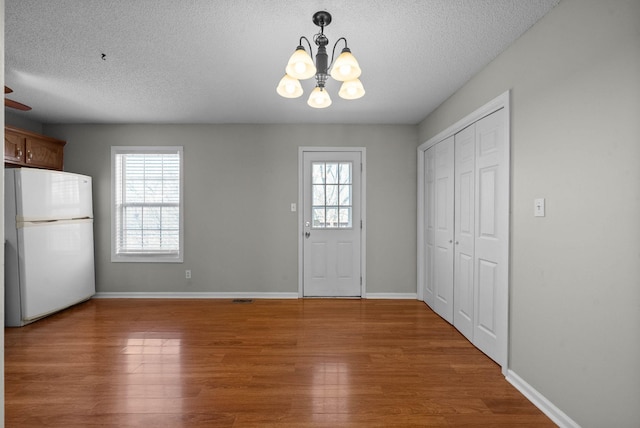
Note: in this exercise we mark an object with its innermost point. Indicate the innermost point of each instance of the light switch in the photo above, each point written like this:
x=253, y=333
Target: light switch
x=293, y=207
x=538, y=207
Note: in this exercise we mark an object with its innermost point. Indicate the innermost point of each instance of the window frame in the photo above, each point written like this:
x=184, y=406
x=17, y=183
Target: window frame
x=339, y=184
x=173, y=257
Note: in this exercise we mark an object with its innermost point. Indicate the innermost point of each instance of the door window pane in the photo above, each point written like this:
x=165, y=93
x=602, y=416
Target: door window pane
x=317, y=173
x=345, y=195
x=318, y=217
x=332, y=197
x=345, y=217
x=332, y=217
x=318, y=195
x=345, y=173
x=332, y=173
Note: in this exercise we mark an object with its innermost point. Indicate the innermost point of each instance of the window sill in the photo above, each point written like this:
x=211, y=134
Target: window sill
x=147, y=258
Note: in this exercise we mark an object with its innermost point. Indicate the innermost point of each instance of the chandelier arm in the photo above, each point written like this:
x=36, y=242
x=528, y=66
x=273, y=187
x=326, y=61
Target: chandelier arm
x=333, y=54
x=309, y=43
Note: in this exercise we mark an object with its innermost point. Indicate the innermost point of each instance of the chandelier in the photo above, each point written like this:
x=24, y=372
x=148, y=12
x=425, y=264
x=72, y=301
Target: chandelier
x=301, y=67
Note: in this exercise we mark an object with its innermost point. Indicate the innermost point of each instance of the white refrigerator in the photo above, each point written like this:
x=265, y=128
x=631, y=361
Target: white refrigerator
x=48, y=229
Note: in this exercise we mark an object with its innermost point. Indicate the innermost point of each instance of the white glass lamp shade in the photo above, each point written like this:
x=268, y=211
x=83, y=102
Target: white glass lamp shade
x=346, y=67
x=351, y=90
x=319, y=98
x=300, y=65
x=289, y=87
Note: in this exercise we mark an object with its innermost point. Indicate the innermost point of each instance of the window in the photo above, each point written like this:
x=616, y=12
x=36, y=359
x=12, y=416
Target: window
x=332, y=187
x=146, y=195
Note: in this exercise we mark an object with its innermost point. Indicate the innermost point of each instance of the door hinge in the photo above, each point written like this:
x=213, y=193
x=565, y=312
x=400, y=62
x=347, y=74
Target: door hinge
x=360, y=166
x=360, y=224
x=360, y=280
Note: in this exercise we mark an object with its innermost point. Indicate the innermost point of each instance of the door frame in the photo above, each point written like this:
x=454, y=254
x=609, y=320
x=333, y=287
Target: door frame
x=501, y=101
x=363, y=212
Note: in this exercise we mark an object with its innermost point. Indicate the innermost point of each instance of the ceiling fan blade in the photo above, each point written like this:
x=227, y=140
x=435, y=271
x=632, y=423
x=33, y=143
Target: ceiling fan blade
x=7, y=90
x=16, y=105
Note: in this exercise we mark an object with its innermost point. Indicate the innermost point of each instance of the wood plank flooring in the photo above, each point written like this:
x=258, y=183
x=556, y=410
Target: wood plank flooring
x=269, y=363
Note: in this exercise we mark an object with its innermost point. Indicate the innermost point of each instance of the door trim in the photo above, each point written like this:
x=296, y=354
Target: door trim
x=363, y=212
x=501, y=101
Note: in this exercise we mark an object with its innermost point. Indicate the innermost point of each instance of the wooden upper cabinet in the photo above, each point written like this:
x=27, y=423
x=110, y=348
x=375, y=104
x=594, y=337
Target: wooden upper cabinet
x=14, y=146
x=24, y=148
x=44, y=153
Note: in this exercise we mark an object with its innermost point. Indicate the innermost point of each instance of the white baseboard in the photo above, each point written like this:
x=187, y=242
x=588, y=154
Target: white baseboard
x=230, y=295
x=194, y=295
x=405, y=296
x=541, y=402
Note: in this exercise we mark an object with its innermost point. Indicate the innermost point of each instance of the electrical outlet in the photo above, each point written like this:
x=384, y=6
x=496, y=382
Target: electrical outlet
x=293, y=207
x=187, y=274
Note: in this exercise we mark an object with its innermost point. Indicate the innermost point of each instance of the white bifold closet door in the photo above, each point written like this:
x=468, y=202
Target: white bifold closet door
x=443, y=230
x=466, y=207
x=464, y=220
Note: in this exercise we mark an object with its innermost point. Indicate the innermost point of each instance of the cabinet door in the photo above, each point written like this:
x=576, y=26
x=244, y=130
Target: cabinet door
x=14, y=148
x=44, y=154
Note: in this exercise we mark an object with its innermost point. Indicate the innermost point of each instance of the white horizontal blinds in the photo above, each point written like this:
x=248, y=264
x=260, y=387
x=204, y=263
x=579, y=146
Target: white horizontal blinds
x=147, y=203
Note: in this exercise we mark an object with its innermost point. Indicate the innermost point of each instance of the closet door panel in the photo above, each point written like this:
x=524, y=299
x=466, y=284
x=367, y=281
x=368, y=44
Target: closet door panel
x=487, y=204
x=491, y=236
x=463, y=295
x=486, y=298
x=464, y=225
x=443, y=229
x=429, y=225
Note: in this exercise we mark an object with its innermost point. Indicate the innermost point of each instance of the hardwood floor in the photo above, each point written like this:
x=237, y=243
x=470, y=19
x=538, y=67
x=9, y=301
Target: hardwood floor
x=284, y=363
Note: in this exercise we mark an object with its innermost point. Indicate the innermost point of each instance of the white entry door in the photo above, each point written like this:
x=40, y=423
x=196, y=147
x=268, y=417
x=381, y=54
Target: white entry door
x=332, y=223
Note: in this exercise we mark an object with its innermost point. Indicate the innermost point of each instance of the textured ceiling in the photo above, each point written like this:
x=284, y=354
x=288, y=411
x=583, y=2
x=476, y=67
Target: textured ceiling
x=205, y=61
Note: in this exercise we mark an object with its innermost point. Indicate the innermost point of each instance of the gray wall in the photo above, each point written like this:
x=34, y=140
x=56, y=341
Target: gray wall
x=575, y=291
x=19, y=121
x=240, y=180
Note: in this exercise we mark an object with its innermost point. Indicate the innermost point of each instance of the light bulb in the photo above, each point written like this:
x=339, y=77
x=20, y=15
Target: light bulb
x=345, y=67
x=352, y=90
x=345, y=70
x=319, y=98
x=289, y=87
x=300, y=67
